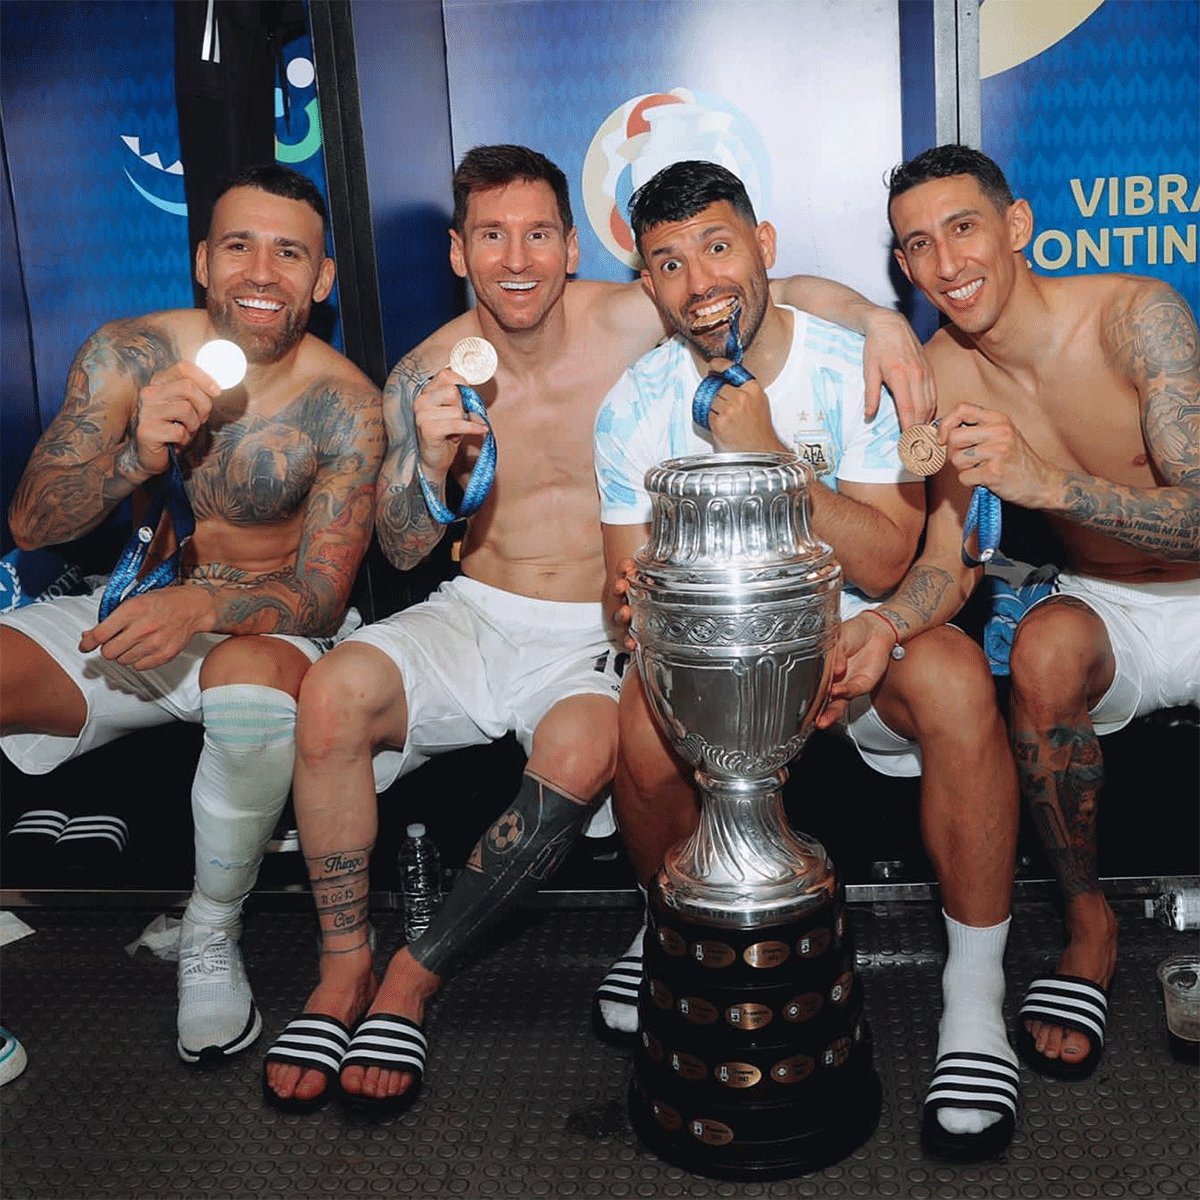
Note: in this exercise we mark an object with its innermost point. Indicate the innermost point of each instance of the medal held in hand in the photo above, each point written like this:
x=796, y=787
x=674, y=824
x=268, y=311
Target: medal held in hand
x=474, y=358
x=226, y=363
x=920, y=450
x=922, y=453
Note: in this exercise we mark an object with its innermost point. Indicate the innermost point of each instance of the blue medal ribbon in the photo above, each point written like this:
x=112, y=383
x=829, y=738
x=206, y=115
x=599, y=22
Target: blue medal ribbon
x=482, y=475
x=984, y=513
x=124, y=582
x=712, y=383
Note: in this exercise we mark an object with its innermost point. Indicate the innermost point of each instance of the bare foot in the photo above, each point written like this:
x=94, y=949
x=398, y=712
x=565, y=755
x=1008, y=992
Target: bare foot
x=407, y=987
x=347, y=987
x=1091, y=953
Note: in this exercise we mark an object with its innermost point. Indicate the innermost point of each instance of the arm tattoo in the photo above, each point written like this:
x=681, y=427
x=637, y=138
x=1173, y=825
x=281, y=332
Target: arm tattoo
x=86, y=462
x=923, y=592
x=1155, y=345
x=406, y=531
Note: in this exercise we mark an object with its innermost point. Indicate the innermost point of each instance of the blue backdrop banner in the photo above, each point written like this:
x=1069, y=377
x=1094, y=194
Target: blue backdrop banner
x=801, y=100
x=1100, y=131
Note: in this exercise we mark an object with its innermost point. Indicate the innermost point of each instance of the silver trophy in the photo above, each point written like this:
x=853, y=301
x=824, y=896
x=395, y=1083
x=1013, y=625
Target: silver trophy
x=754, y=1059
x=735, y=611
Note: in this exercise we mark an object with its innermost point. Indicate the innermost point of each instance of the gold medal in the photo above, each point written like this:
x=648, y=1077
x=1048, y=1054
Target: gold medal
x=920, y=450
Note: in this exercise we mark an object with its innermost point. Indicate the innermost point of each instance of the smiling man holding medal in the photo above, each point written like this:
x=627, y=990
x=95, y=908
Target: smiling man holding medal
x=516, y=642
x=258, y=446
x=1078, y=398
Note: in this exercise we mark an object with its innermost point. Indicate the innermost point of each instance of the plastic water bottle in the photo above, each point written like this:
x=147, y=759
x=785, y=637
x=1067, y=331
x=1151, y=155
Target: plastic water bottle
x=420, y=880
x=1177, y=909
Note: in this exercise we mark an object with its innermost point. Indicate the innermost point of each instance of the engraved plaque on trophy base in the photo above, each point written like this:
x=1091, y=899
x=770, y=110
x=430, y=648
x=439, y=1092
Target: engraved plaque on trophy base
x=754, y=1060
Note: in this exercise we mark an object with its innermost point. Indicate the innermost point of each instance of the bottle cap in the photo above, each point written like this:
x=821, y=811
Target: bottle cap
x=415, y=830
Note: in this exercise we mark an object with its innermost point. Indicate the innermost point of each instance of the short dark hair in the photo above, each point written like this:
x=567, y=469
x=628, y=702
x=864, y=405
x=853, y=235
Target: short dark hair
x=486, y=167
x=278, y=181
x=682, y=190
x=953, y=158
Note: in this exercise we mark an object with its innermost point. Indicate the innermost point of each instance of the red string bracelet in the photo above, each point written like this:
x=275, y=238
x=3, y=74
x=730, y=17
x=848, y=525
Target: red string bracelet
x=897, y=649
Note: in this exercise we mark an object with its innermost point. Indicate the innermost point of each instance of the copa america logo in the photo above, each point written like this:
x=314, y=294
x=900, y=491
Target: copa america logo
x=652, y=131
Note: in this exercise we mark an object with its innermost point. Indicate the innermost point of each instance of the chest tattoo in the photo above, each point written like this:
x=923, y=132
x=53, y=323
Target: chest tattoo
x=252, y=472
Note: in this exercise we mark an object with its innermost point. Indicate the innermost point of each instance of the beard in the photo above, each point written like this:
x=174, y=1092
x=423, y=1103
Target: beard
x=713, y=343
x=260, y=348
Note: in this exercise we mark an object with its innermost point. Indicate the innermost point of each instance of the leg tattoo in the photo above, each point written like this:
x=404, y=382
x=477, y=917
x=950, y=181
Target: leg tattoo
x=341, y=885
x=521, y=850
x=1061, y=774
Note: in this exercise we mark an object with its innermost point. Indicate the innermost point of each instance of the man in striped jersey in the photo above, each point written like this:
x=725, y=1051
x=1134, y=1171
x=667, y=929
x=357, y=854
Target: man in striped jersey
x=933, y=713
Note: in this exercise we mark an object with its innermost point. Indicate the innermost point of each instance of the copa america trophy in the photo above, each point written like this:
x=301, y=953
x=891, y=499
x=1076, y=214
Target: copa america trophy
x=753, y=1058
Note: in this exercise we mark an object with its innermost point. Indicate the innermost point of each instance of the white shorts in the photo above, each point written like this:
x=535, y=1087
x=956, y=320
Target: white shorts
x=1154, y=630
x=478, y=662
x=880, y=748
x=119, y=699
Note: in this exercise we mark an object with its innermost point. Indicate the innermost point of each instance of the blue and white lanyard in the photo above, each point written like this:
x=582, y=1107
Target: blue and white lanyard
x=124, y=582
x=711, y=384
x=984, y=513
x=482, y=474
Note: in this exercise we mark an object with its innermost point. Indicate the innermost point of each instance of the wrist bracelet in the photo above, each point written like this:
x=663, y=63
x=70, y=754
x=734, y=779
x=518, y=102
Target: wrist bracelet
x=897, y=649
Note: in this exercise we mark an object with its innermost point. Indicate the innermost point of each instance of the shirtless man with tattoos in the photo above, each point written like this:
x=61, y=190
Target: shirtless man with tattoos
x=517, y=642
x=1078, y=398
x=279, y=471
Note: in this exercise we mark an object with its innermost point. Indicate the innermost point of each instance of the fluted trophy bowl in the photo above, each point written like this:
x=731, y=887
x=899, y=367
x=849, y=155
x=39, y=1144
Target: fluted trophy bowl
x=735, y=613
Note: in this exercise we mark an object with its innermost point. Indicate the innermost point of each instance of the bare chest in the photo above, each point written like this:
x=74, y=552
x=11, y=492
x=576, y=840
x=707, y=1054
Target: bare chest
x=251, y=472
x=544, y=435
x=1079, y=415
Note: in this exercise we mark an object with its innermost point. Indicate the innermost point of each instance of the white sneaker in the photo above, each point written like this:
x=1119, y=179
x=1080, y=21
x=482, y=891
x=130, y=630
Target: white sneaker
x=217, y=1014
x=13, y=1058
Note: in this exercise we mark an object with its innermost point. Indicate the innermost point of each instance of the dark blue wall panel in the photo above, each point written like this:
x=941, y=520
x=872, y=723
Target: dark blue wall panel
x=401, y=59
x=90, y=129
x=20, y=422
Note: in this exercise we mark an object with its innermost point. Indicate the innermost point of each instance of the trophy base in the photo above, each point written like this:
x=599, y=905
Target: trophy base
x=754, y=1059
x=836, y=1138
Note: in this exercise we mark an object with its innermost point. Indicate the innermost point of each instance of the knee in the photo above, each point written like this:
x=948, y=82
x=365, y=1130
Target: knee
x=1055, y=650
x=250, y=658
x=337, y=705
x=944, y=681
x=249, y=719
x=575, y=746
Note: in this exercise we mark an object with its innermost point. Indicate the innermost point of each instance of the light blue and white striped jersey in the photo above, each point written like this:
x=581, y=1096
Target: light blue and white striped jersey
x=816, y=407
